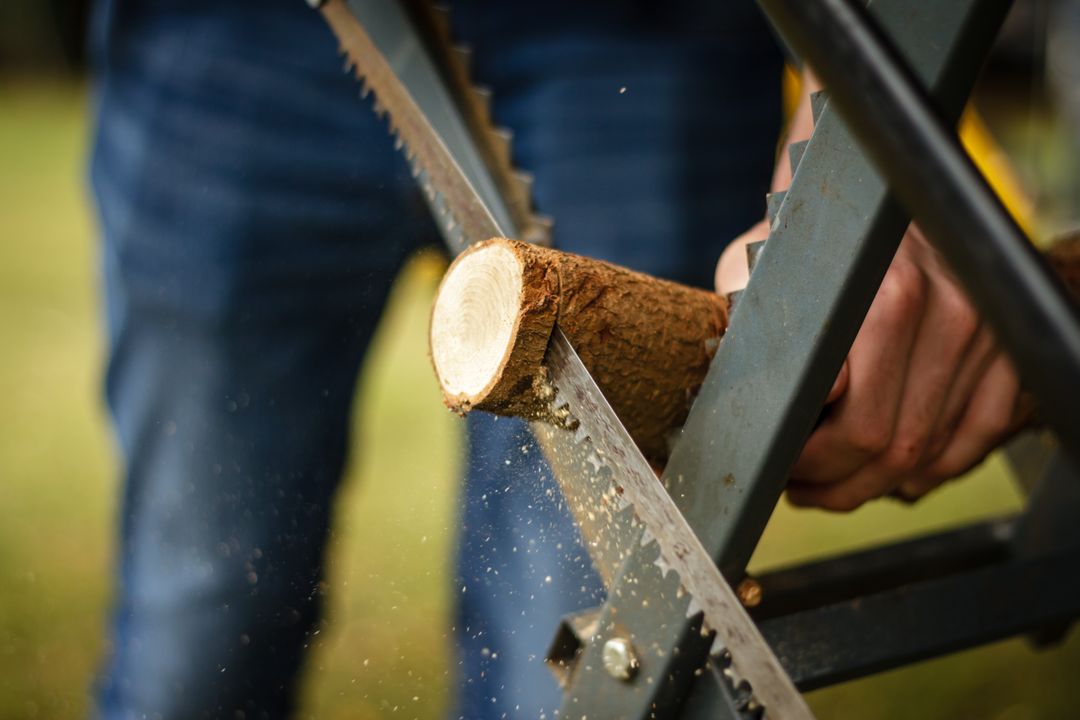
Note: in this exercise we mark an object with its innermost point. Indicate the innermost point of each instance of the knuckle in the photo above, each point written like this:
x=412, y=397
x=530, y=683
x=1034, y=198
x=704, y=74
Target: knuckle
x=903, y=290
x=904, y=455
x=961, y=318
x=937, y=443
x=990, y=427
x=871, y=438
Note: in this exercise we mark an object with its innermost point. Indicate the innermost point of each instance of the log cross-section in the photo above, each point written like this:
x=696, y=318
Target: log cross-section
x=646, y=341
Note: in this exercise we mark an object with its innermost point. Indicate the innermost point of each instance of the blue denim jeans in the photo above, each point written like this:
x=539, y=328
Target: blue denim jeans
x=254, y=214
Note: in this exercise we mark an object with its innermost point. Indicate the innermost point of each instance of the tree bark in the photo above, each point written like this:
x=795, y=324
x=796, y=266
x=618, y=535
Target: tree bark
x=647, y=342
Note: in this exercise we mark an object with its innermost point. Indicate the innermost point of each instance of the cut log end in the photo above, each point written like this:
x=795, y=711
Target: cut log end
x=647, y=342
x=490, y=325
x=473, y=322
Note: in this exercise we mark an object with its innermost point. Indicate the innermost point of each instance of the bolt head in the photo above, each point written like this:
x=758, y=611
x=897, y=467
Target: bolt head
x=619, y=659
x=749, y=592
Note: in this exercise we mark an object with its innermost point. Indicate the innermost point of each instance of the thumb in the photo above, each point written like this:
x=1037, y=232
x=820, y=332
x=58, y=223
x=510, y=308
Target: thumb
x=840, y=384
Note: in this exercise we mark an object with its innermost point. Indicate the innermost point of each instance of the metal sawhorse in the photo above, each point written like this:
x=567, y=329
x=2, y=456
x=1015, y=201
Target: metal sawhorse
x=839, y=224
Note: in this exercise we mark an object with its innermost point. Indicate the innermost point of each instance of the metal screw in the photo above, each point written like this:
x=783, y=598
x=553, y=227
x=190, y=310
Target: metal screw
x=749, y=592
x=619, y=659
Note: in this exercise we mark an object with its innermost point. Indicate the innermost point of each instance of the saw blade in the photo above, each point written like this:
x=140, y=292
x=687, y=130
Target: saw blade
x=609, y=486
x=453, y=61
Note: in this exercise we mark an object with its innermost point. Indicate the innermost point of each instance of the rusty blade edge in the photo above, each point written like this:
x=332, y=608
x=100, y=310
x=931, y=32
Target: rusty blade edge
x=751, y=657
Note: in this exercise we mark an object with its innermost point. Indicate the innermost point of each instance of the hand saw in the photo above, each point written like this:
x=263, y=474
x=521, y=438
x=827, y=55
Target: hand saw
x=404, y=56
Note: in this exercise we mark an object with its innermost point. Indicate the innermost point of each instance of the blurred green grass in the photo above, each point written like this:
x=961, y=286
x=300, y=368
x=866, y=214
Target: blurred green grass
x=383, y=649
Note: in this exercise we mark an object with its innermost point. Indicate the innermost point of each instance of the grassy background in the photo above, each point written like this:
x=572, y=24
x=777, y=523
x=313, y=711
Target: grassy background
x=383, y=650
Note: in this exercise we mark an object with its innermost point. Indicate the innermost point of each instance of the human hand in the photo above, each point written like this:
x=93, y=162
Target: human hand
x=923, y=396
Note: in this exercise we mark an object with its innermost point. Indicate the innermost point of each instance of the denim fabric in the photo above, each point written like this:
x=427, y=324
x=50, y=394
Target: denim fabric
x=254, y=214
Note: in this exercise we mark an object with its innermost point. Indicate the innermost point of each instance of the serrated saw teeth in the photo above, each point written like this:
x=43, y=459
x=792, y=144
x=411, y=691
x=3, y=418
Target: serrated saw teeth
x=795, y=153
x=463, y=55
x=440, y=18
x=818, y=100
x=753, y=250
x=496, y=143
x=501, y=142
x=523, y=182
x=773, y=201
x=481, y=97
x=538, y=230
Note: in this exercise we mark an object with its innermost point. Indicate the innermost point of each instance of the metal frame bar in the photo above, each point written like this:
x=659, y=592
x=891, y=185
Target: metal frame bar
x=913, y=145
x=871, y=633
x=845, y=577
x=849, y=616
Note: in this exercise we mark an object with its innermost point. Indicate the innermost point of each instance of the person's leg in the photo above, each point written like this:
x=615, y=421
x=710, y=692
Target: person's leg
x=521, y=568
x=651, y=133
x=254, y=214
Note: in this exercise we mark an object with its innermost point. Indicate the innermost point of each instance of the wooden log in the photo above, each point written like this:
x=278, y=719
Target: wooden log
x=647, y=342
